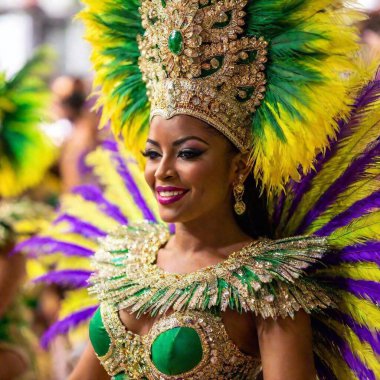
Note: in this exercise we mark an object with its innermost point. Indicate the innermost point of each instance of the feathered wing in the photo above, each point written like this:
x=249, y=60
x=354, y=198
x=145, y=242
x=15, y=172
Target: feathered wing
x=120, y=197
x=340, y=200
x=25, y=152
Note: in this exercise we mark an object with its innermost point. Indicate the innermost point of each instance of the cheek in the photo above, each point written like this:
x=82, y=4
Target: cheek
x=149, y=172
x=206, y=179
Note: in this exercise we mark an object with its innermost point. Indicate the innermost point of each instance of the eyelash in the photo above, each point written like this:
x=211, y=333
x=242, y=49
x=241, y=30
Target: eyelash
x=186, y=154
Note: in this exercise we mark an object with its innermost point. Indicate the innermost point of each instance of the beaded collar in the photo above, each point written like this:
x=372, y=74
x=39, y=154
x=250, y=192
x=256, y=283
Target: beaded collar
x=266, y=277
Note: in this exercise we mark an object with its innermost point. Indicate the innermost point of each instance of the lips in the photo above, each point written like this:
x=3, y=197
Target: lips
x=169, y=194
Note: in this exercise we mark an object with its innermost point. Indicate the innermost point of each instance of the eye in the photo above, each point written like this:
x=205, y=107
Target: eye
x=150, y=154
x=189, y=154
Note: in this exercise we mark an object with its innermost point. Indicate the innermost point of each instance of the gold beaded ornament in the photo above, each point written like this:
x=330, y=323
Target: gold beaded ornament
x=238, y=190
x=194, y=64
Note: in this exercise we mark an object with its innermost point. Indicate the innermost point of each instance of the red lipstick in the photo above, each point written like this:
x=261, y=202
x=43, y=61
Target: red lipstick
x=169, y=194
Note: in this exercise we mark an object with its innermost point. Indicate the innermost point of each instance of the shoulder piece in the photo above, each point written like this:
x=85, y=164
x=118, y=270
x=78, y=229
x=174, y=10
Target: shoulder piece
x=266, y=277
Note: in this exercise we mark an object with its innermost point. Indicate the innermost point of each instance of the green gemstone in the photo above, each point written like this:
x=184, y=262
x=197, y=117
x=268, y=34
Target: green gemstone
x=163, y=3
x=175, y=42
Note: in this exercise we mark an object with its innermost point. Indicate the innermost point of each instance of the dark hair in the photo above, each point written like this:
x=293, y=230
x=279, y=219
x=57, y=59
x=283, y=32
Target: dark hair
x=76, y=100
x=255, y=221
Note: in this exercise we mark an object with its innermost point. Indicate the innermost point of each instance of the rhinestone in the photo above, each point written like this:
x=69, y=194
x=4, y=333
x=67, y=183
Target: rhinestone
x=214, y=63
x=175, y=42
x=196, y=100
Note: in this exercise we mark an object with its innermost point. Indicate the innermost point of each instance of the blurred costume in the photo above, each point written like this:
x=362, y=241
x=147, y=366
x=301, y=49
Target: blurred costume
x=280, y=81
x=70, y=106
x=25, y=155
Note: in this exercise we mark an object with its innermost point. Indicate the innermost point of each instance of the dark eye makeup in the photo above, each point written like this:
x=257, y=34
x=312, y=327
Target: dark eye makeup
x=189, y=154
x=151, y=154
x=186, y=154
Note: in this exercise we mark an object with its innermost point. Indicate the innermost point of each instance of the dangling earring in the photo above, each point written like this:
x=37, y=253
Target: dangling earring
x=238, y=189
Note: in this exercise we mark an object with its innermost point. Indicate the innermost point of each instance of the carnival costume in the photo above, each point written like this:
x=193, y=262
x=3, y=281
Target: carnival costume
x=25, y=155
x=279, y=79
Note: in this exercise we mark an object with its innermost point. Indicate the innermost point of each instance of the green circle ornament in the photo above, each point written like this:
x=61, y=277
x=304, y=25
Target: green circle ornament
x=177, y=351
x=175, y=42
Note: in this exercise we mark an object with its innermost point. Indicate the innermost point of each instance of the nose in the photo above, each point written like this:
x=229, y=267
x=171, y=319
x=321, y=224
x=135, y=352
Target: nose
x=165, y=169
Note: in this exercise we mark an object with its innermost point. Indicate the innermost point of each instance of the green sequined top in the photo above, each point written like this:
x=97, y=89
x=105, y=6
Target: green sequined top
x=189, y=340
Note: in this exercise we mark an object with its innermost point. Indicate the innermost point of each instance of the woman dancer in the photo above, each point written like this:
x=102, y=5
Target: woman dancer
x=234, y=88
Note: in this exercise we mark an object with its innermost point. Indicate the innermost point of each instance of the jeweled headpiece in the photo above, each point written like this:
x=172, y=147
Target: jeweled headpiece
x=194, y=63
x=271, y=75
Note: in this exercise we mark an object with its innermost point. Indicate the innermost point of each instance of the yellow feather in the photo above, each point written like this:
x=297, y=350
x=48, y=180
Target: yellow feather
x=360, y=230
x=361, y=310
x=358, y=271
x=361, y=189
x=338, y=365
x=76, y=300
x=87, y=211
x=362, y=350
x=363, y=134
x=115, y=189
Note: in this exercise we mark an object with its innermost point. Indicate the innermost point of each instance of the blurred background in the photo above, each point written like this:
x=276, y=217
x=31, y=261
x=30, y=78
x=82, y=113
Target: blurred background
x=72, y=126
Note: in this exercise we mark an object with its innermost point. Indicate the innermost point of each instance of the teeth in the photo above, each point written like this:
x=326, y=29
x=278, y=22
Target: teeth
x=170, y=193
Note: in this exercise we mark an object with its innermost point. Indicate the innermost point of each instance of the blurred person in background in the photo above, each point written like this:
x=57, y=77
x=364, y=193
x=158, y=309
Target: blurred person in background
x=26, y=154
x=69, y=104
x=371, y=32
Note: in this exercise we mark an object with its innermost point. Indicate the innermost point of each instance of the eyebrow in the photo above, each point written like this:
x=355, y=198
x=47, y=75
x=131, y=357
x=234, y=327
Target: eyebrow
x=180, y=141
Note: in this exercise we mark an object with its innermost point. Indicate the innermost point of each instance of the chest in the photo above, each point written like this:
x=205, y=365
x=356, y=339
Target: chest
x=189, y=345
x=241, y=328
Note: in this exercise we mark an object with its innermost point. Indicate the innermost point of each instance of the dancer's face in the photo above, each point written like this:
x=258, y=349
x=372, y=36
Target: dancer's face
x=190, y=167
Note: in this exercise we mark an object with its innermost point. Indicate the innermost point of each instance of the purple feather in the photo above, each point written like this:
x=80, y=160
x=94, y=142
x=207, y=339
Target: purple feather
x=45, y=245
x=363, y=333
x=80, y=227
x=360, y=288
x=65, y=325
x=110, y=145
x=93, y=194
x=351, y=174
x=357, y=210
x=367, y=252
x=369, y=94
x=133, y=188
x=72, y=279
x=349, y=357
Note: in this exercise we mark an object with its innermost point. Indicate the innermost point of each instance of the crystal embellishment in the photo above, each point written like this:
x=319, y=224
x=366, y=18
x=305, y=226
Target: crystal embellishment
x=175, y=42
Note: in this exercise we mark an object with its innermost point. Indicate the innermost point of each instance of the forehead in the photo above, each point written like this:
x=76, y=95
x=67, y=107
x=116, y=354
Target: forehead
x=180, y=126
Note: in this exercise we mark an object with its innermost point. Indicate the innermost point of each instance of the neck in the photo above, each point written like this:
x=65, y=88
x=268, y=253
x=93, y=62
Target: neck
x=215, y=230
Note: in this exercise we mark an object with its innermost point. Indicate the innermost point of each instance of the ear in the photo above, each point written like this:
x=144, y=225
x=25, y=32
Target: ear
x=240, y=168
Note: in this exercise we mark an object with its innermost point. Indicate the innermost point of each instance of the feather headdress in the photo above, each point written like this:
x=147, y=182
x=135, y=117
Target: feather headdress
x=300, y=53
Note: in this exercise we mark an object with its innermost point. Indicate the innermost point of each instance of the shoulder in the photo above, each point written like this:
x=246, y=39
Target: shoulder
x=277, y=276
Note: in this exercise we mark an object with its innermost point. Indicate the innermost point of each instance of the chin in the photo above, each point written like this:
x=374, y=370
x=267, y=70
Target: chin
x=168, y=215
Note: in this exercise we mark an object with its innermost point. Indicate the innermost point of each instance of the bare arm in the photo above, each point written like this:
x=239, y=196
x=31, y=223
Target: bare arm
x=286, y=348
x=89, y=367
x=12, y=272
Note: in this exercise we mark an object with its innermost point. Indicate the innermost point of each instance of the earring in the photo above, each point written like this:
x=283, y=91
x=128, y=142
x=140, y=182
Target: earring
x=238, y=190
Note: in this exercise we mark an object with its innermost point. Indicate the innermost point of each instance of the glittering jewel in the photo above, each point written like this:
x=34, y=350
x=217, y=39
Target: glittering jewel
x=240, y=208
x=175, y=42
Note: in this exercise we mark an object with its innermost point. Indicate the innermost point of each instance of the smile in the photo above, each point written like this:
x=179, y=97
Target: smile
x=168, y=195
